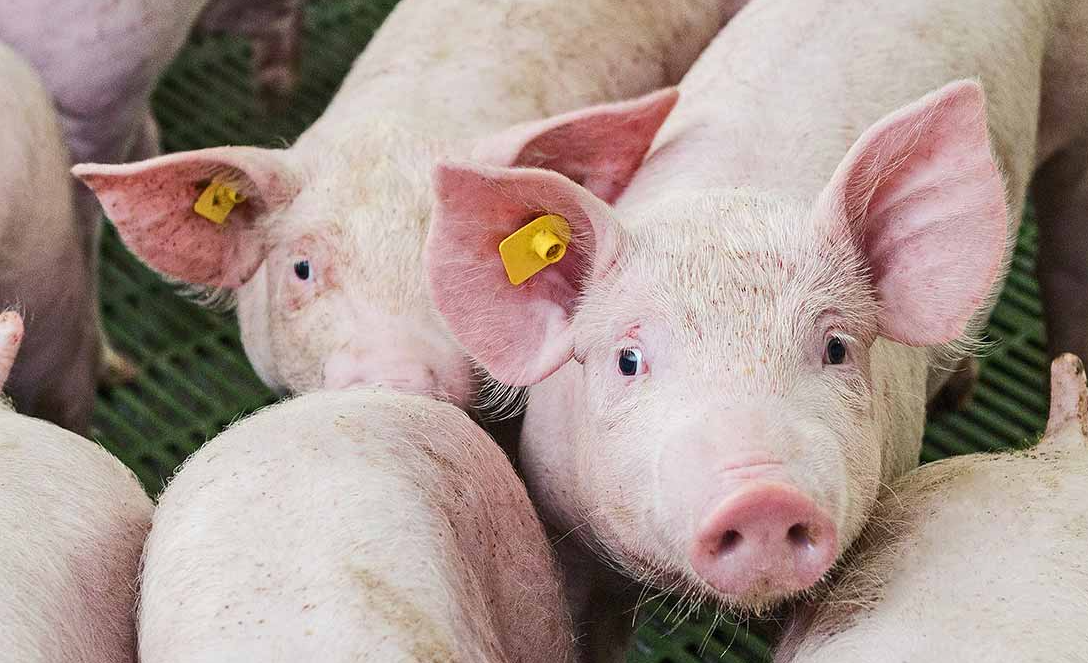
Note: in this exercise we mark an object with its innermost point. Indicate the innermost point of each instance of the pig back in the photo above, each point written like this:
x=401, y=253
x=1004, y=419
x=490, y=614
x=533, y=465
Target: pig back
x=457, y=69
x=73, y=520
x=971, y=558
x=344, y=526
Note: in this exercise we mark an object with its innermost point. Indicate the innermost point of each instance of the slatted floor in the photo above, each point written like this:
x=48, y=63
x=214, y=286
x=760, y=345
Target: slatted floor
x=195, y=378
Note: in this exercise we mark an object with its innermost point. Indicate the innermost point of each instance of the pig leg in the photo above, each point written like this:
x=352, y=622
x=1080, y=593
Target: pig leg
x=951, y=389
x=275, y=31
x=112, y=367
x=146, y=145
x=1060, y=194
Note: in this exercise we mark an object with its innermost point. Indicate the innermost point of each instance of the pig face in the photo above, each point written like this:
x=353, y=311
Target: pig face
x=725, y=366
x=727, y=358
x=324, y=256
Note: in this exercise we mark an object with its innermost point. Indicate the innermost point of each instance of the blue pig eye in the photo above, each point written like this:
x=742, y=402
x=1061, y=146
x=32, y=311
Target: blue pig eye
x=302, y=270
x=630, y=361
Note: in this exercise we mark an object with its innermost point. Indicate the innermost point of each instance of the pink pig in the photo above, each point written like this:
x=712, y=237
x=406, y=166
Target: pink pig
x=728, y=362
x=325, y=253
x=73, y=521
x=979, y=557
x=44, y=273
x=348, y=526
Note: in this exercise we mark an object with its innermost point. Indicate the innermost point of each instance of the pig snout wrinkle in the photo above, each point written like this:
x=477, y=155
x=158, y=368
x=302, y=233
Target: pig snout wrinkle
x=767, y=538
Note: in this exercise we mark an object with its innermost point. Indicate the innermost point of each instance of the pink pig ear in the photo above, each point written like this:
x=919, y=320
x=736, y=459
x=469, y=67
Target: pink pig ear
x=520, y=334
x=599, y=147
x=151, y=204
x=923, y=195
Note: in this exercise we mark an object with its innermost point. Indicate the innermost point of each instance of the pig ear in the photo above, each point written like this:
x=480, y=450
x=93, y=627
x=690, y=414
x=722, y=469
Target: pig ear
x=520, y=334
x=924, y=198
x=599, y=147
x=151, y=204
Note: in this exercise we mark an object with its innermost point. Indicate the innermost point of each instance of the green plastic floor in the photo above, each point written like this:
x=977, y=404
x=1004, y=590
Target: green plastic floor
x=195, y=379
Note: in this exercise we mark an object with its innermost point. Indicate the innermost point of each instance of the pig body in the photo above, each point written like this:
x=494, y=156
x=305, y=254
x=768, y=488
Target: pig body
x=969, y=558
x=325, y=254
x=733, y=357
x=73, y=520
x=350, y=525
x=43, y=270
x=100, y=59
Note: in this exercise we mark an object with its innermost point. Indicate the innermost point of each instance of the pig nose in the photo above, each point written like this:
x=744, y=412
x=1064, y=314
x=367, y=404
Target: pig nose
x=767, y=540
x=343, y=372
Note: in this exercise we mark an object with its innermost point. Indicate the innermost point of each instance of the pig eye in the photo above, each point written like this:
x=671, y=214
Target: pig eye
x=302, y=270
x=631, y=362
x=835, y=353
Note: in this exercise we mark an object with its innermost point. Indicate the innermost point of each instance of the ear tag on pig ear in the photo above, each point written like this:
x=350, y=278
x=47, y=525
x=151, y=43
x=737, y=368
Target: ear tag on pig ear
x=217, y=201
x=532, y=247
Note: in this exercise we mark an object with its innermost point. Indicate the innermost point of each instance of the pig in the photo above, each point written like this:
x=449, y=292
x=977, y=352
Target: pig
x=43, y=270
x=978, y=557
x=360, y=524
x=73, y=521
x=324, y=255
x=100, y=60
x=733, y=354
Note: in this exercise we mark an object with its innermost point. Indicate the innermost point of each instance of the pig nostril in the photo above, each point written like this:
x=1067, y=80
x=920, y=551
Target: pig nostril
x=730, y=541
x=800, y=537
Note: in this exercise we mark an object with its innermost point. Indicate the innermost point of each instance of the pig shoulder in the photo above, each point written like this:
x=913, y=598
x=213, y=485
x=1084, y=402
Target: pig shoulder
x=74, y=521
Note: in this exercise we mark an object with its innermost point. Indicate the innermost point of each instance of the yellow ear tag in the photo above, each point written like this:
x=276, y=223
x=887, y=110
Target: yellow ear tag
x=217, y=201
x=541, y=242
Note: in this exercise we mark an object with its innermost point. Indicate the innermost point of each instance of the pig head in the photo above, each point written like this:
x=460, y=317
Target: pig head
x=721, y=379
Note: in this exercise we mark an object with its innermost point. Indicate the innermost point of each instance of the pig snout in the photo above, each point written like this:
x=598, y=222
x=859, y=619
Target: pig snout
x=764, y=538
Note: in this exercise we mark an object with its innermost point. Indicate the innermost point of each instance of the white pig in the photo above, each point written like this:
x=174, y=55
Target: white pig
x=348, y=526
x=325, y=252
x=72, y=526
x=43, y=270
x=729, y=361
x=100, y=59
x=974, y=558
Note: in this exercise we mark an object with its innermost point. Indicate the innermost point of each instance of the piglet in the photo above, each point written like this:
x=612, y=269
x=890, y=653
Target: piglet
x=728, y=360
x=347, y=526
x=979, y=557
x=72, y=525
x=324, y=253
x=44, y=272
